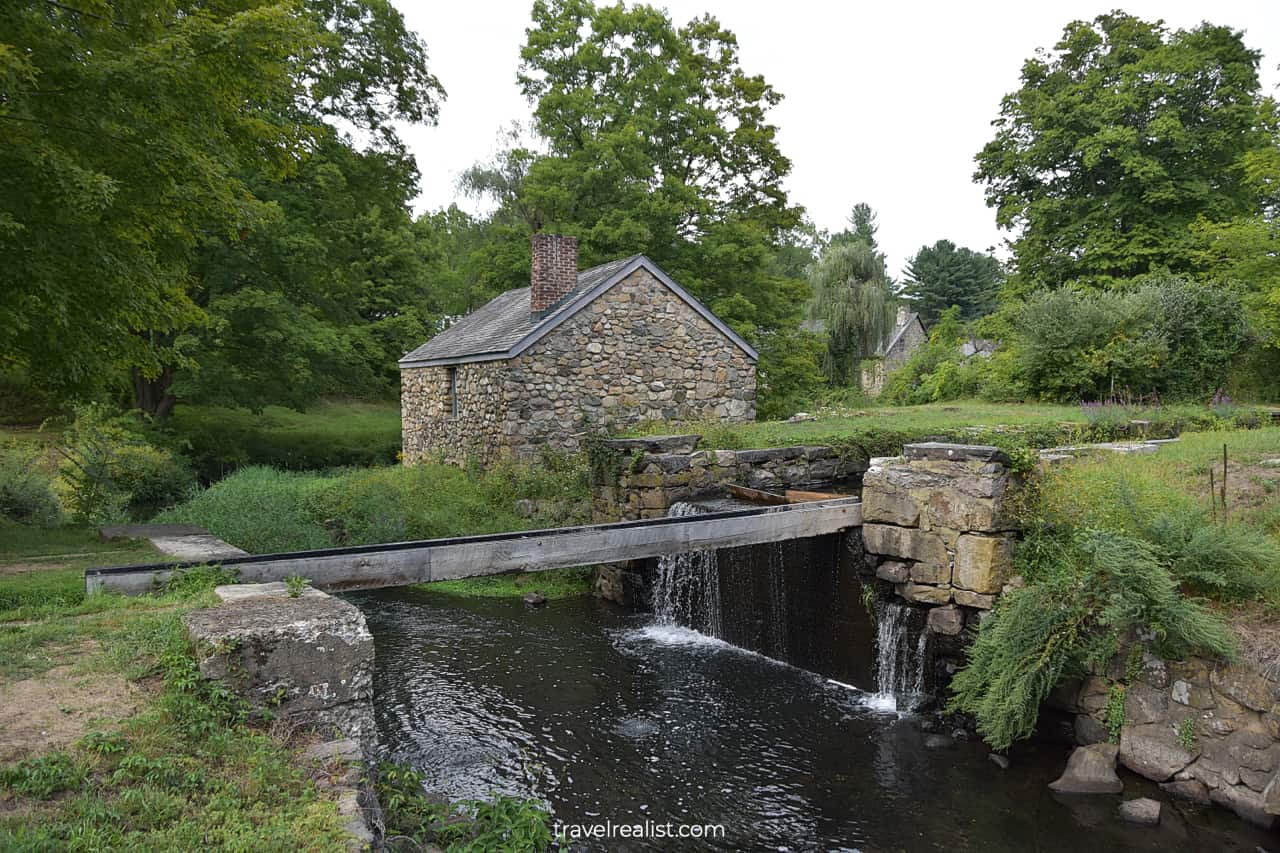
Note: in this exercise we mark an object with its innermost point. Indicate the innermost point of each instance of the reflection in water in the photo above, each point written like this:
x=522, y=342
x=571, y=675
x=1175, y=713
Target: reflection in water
x=607, y=715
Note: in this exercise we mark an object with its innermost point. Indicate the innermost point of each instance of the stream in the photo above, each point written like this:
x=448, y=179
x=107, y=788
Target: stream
x=604, y=714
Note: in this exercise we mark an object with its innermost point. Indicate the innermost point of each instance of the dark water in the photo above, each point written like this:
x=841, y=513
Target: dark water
x=606, y=715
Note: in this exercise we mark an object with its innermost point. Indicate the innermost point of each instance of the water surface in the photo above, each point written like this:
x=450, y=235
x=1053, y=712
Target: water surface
x=605, y=714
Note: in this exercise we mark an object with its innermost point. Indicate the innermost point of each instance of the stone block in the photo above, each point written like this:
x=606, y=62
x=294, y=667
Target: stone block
x=1244, y=685
x=1271, y=796
x=983, y=563
x=931, y=573
x=945, y=620
x=1191, y=790
x=309, y=659
x=1246, y=803
x=1153, y=751
x=1089, y=731
x=942, y=451
x=893, y=571
x=922, y=594
x=973, y=599
x=889, y=506
x=1145, y=704
x=905, y=543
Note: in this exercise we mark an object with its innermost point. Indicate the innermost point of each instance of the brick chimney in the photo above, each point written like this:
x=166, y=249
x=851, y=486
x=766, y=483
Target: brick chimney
x=555, y=271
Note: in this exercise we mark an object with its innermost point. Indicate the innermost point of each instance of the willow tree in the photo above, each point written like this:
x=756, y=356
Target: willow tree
x=853, y=303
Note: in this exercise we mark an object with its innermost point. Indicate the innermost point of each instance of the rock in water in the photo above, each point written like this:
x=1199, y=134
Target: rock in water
x=999, y=760
x=1143, y=810
x=1090, y=770
x=534, y=599
x=938, y=742
x=1187, y=789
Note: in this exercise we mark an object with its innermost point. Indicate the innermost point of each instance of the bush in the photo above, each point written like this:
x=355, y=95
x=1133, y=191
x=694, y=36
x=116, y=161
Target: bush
x=26, y=492
x=1086, y=591
x=108, y=468
x=264, y=510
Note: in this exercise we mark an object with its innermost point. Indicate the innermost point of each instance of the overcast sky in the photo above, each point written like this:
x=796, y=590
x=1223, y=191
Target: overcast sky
x=885, y=103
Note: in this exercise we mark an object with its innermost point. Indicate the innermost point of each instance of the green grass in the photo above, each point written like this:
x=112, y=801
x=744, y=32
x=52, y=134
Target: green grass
x=263, y=510
x=882, y=430
x=554, y=583
x=329, y=434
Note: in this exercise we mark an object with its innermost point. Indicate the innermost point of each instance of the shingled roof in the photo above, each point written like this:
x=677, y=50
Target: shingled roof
x=505, y=326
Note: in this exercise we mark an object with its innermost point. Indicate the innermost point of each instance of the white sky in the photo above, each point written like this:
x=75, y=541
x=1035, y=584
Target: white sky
x=885, y=103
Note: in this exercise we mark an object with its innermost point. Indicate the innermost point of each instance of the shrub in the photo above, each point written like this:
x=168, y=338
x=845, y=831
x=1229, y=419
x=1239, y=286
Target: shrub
x=1086, y=590
x=108, y=468
x=26, y=492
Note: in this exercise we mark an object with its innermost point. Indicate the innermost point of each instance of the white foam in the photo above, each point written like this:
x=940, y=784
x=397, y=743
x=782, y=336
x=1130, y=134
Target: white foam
x=676, y=635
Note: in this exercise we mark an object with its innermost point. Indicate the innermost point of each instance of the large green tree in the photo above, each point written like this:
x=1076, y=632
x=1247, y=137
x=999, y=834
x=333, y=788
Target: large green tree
x=1118, y=139
x=134, y=134
x=943, y=275
x=650, y=137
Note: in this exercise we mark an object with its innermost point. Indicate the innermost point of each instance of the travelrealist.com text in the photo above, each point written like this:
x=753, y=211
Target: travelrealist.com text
x=633, y=829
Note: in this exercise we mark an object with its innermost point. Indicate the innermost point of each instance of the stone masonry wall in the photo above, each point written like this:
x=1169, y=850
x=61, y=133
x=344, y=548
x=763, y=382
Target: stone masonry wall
x=428, y=427
x=655, y=473
x=636, y=353
x=936, y=523
x=1208, y=731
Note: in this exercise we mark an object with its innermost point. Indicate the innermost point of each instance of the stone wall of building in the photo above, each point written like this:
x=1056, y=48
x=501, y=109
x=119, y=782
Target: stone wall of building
x=636, y=353
x=648, y=475
x=428, y=427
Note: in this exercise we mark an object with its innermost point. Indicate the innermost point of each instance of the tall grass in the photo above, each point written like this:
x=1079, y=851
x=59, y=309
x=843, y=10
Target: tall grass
x=264, y=510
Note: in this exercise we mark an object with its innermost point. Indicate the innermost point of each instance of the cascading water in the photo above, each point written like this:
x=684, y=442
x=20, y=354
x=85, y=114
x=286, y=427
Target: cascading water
x=686, y=588
x=900, y=661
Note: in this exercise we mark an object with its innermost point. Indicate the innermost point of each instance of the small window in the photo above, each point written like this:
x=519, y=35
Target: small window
x=453, y=392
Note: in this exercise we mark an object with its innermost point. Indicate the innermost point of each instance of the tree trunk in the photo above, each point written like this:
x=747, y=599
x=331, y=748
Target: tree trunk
x=153, y=395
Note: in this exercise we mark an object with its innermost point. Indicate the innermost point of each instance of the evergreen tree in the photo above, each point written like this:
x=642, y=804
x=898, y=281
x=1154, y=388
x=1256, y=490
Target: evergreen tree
x=943, y=275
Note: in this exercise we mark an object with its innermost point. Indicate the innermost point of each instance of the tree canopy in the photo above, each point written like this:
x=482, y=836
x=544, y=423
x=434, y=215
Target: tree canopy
x=134, y=134
x=853, y=303
x=1117, y=141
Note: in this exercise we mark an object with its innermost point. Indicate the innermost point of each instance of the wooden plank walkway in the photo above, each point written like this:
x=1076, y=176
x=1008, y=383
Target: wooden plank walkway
x=402, y=563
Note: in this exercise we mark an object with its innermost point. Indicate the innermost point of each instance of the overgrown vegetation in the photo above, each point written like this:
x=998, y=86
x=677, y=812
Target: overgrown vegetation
x=264, y=510
x=1118, y=552
x=414, y=820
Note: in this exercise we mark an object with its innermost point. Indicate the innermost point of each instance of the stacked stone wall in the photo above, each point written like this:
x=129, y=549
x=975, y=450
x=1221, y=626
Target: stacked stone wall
x=645, y=484
x=429, y=428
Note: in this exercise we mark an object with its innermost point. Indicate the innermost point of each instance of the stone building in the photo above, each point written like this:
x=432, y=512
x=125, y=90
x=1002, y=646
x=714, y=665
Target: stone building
x=575, y=351
x=908, y=333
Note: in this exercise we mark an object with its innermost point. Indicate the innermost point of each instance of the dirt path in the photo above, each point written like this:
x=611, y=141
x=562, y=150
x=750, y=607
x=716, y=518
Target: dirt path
x=55, y=709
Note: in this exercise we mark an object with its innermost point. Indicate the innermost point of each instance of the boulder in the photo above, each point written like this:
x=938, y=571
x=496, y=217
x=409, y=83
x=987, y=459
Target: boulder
x=1191, y=790
x=1245, y=685
x=923, y=594
x=1090, y=770
x=1153, y=751
x=1088, y=730
x=1248, y=804
x=534, y=599
x=1271, y=796
x=1143, y=810
x=1144, y=704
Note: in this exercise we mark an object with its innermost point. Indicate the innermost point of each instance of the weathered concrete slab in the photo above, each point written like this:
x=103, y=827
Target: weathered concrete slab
x=446, y=559
x=655, y=444
x=186, y=543
x=197, y=549
x=308, y=659
x=955, y=452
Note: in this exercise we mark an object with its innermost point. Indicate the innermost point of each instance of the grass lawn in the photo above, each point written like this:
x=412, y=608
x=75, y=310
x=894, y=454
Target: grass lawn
x=329, y=434
x=882, y=430
x=111, y=739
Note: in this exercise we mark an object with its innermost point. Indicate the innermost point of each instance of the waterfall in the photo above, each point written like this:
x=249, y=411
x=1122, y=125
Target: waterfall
x=900, y=663
x=687, y=586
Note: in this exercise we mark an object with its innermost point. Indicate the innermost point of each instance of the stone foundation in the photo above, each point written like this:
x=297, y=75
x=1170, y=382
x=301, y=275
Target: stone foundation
x=308, y=659
x=1208, y=731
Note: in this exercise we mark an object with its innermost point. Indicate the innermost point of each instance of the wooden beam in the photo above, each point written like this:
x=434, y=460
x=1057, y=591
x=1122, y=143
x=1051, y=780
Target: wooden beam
x=473, y=556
